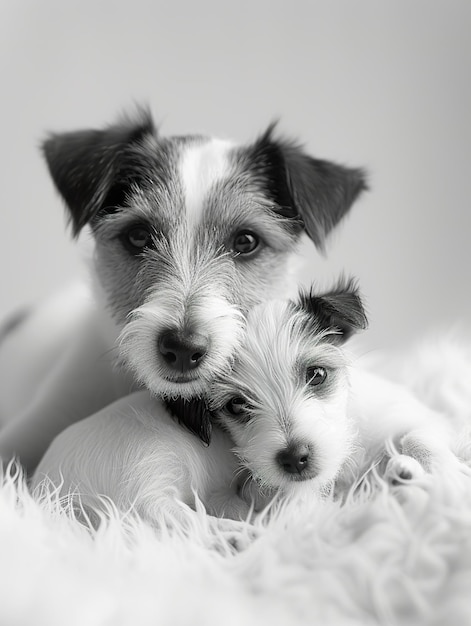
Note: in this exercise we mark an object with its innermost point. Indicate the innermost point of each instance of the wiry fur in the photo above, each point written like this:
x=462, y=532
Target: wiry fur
x=196, y=292
x=192, y=196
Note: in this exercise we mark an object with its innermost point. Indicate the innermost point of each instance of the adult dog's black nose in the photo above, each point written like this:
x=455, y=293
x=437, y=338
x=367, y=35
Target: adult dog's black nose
x=182, y=350
x=294, y=459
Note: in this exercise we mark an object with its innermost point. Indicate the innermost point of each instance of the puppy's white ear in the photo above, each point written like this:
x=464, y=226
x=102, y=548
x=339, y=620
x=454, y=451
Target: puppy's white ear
x=339, y=310
x=314, y=192
x=93, y=169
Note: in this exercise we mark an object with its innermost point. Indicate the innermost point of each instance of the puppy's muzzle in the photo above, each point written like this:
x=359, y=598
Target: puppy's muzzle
x=182, y=351
x=297, y=460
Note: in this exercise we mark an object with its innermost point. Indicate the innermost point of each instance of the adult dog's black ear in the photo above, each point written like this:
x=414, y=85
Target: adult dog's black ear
x=315, y=193
x=339, y=310
x=93, y=169
x=194, y=414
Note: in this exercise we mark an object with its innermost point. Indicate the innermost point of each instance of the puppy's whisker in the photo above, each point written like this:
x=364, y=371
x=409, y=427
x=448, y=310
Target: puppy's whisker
x=241, y=472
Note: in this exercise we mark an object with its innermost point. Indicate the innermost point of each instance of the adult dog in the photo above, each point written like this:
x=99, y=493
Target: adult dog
x=188, y=232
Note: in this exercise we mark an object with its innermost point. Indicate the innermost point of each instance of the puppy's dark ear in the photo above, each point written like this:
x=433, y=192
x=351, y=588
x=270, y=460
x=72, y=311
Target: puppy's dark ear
x=316, y=193
x=93, y=169
x=340, y=310
x=194, y=414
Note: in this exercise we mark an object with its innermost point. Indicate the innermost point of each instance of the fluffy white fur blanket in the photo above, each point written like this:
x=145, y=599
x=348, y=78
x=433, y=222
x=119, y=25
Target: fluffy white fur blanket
x=388, y=556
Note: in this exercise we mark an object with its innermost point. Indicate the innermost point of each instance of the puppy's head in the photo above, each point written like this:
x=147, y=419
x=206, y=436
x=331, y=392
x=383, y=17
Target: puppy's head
x=190, y=231
x=285, y=403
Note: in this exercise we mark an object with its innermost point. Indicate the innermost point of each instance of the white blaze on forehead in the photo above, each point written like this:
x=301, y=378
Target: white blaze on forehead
x=201, y=166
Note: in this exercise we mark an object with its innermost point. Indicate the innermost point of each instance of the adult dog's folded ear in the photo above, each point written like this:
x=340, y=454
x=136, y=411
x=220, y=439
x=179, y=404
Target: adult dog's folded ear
x=315, y=192
x=339, y=310
x=93, y=169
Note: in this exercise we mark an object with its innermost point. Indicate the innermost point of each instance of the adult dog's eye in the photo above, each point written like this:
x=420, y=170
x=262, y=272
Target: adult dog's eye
x=315, y=375
x=245, y=242
x=236, y=406
x=137, y=238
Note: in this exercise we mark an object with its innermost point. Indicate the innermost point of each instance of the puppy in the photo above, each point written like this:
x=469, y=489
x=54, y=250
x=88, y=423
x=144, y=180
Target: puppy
x=186, y=233
x=304, y=419
x=293, y=418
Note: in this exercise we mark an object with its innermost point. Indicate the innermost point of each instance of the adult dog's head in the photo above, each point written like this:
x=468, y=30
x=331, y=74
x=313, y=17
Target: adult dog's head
x=189, y=233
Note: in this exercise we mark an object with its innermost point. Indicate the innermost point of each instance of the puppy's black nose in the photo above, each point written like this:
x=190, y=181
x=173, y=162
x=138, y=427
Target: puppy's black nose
x=294, y=459
x=182, y=350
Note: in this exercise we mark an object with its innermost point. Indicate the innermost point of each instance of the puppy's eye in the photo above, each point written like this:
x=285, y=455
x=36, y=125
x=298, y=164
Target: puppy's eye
x=236, y=407
x=137, y=238
x=315, y=375
x=245, y=242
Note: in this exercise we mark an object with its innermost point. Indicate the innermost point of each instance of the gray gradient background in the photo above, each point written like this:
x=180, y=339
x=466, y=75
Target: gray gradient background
x=380, y=84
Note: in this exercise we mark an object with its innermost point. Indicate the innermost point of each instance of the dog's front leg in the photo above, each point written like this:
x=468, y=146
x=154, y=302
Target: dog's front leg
x=421, y=451
x=387, y=412
x=81, y=382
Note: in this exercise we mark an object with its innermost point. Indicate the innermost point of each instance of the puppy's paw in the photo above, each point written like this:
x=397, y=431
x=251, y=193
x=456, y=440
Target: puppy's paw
x=402, y=469
x=412, y=445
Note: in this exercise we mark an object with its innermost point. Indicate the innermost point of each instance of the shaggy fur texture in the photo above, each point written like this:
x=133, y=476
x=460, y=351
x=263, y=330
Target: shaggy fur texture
x=388, y=556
